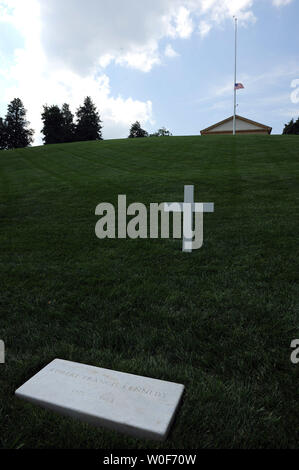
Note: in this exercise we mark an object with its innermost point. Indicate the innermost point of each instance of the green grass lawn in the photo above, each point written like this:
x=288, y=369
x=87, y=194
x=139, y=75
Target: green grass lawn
x=219, y=320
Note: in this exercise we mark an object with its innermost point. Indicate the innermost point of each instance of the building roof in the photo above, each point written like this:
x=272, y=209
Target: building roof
x=253, y=126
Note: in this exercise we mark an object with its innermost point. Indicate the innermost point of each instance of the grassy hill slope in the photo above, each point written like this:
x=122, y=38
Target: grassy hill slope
x=219, y=320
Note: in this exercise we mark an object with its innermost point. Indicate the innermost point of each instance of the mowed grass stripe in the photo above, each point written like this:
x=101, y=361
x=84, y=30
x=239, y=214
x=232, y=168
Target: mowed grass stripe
x=220, y=320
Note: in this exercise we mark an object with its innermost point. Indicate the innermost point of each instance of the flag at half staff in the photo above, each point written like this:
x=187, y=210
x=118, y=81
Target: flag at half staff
x=239, y=86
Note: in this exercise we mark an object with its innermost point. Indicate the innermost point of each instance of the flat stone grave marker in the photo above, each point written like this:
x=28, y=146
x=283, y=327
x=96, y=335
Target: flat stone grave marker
x=136, y=405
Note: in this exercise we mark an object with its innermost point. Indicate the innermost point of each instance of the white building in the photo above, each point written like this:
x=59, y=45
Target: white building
x=243, y=126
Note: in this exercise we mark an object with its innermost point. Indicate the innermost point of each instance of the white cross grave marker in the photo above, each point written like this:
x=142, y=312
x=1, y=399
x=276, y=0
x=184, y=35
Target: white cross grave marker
x=188, y=207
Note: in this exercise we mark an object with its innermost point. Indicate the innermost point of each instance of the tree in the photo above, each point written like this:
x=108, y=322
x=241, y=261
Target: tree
x=3, y=135
x=288, y=127
x=53, y=121
x=59, y=124
x=163, y=132
x=88, y=122
x=68, y=124
x=17, y=132
x=292, y=127
x=137, y=131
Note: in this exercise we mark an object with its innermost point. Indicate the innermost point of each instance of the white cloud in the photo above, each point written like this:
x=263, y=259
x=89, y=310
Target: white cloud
x=67, y=86
x=37, y=82
x=281, y=3
x=141, y=58
x=184, y=23
x=217, y=11
x=69, y=45
x=204, y=28
x=170, y=52
x=83, y=34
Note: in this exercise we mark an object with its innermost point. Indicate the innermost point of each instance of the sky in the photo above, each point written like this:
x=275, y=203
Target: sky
x=163, y=62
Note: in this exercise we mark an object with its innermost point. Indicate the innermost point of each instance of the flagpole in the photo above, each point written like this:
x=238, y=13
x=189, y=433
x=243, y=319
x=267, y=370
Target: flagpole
x=235, y=78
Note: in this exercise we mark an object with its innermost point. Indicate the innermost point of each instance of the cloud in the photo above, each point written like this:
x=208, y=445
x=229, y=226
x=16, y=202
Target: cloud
x=281, y=3
x=92, y=33
x=142, y=58
x=117, y=112
x=33, y=77
x=204, y=28
x=170, y=52
x=215, y=11
x=183, y=23
x=69, y=45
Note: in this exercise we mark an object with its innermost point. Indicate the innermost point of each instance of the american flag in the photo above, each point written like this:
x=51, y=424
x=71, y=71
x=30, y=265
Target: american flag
x=239, y=86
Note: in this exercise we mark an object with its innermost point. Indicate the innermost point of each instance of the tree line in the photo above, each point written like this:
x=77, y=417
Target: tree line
x=291, y=127
x=59, y=125
x=137, y=131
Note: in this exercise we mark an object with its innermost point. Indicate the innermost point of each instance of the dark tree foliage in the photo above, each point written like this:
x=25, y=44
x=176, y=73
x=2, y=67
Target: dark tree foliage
x=53, y=121
x=88, y=125
x=292, y=127
x=3, y=135
x=59, y=126
x=16, y=126
x=163, y=132
x=68, y=124
x=137, y=131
